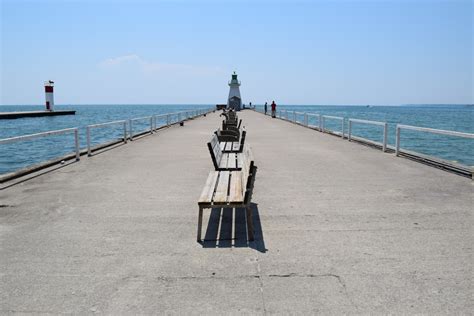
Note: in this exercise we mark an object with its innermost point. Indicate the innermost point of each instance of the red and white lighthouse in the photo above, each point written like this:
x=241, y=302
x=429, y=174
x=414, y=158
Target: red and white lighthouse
x=48, y=89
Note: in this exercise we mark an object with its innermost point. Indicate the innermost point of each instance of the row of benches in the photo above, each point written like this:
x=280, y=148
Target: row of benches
x=231, y=182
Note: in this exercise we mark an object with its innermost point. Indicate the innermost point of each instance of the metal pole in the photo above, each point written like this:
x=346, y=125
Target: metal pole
x=167, y=120
x=151, y=124
x=320, y=122
x=306, y=119
x=131, y=129
x=350, y=130
x=342, y=131
x=294, y=116
x=385, y=132
x=76, y=141
x=125, y=131
x=88, y=134
x=397, y=141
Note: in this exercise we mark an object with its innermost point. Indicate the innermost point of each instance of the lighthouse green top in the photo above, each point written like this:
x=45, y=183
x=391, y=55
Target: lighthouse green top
x=234, y=79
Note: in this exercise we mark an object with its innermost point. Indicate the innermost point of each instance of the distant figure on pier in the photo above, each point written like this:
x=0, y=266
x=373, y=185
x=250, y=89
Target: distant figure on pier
x=266, y=108
x=274, y=106
x=250, y=105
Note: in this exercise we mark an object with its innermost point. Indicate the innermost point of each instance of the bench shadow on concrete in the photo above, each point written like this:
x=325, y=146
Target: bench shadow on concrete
x=233, y=231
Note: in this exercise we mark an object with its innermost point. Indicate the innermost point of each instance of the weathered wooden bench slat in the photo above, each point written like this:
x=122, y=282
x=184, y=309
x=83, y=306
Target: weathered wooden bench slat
x=208, y=190
x=222, y=187
x=235, y=189
x=232, y=162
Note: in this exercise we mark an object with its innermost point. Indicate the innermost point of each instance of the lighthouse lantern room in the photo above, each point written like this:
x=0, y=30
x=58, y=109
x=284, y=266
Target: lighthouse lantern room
x=234, y=101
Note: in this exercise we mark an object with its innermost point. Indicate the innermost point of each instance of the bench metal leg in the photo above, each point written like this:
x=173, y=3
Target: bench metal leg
x=199, y=224
x=249, y=222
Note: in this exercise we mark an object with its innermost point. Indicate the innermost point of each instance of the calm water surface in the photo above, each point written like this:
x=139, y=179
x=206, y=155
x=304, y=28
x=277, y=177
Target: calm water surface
x=450, y=117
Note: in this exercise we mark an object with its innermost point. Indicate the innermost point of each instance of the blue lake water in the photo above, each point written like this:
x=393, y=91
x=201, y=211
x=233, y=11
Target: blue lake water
x=449, y=117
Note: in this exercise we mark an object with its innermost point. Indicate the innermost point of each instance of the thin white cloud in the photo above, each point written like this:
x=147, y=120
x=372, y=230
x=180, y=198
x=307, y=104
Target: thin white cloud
x=110, y=62
x=152, y=67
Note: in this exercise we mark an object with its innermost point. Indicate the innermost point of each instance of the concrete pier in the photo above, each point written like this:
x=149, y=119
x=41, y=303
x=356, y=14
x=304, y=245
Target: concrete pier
x=21, y=114
x=340, y=228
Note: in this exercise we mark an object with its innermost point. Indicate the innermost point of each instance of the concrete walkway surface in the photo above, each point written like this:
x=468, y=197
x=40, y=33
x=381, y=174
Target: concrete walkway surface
x=340, y=228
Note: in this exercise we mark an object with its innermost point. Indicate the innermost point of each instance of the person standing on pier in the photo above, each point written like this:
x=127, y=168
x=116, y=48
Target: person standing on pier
x=274, y=106
x=266, y=108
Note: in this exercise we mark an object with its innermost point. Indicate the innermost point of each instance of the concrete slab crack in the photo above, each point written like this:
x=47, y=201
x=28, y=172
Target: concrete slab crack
x=260, y=280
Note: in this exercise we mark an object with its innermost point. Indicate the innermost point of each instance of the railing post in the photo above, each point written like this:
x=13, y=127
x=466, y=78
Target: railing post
x=342, y=129
x=76, y=142
x=151, y=124
x=131, y=129
x=350, y=130
x=385, y=135
x=294, y=117
x=125, y=131
x=88, y=138
x=306, y=119
x=320, y=122
x=167, y=120
x=397, y=141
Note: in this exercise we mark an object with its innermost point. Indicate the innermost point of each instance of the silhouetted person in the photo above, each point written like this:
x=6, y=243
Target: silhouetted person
x=266, y=108
x=274, y=106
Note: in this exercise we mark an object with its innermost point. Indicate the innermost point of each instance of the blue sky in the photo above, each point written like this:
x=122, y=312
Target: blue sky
x=295, y=52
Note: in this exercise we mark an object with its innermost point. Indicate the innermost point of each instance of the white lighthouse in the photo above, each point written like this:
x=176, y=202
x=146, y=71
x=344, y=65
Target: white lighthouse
x=234, y=101
x=48, y=89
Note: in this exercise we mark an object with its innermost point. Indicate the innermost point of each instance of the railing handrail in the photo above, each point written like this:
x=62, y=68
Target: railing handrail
x=383, y=124
x=106, y=123
x=367, y=122
x=75, y=130
x=160, y=115
x=36, y=135
x=141, y=118
x=333, y=117
x=435, y=131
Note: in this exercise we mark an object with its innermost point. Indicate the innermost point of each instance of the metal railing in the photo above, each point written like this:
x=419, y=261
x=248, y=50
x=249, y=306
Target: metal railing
x=89, y=127
x=130, y=122
x=427, y=130
x=186, y=114
x=385, y=130
x=45, y=134
x=324, y=117
x=296, y=115
x=314, y=115
x=291, y=116
x=156, y=117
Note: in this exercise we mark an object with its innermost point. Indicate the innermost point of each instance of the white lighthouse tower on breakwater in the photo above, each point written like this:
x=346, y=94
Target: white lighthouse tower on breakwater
x=234, y=101
x=48, y=89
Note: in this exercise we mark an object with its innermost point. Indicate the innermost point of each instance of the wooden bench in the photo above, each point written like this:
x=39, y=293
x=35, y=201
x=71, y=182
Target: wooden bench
x=232, y=146
x=229, y=123
x=229, y=115
x=230, y=189
x=223, y=161
x=227, y=135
